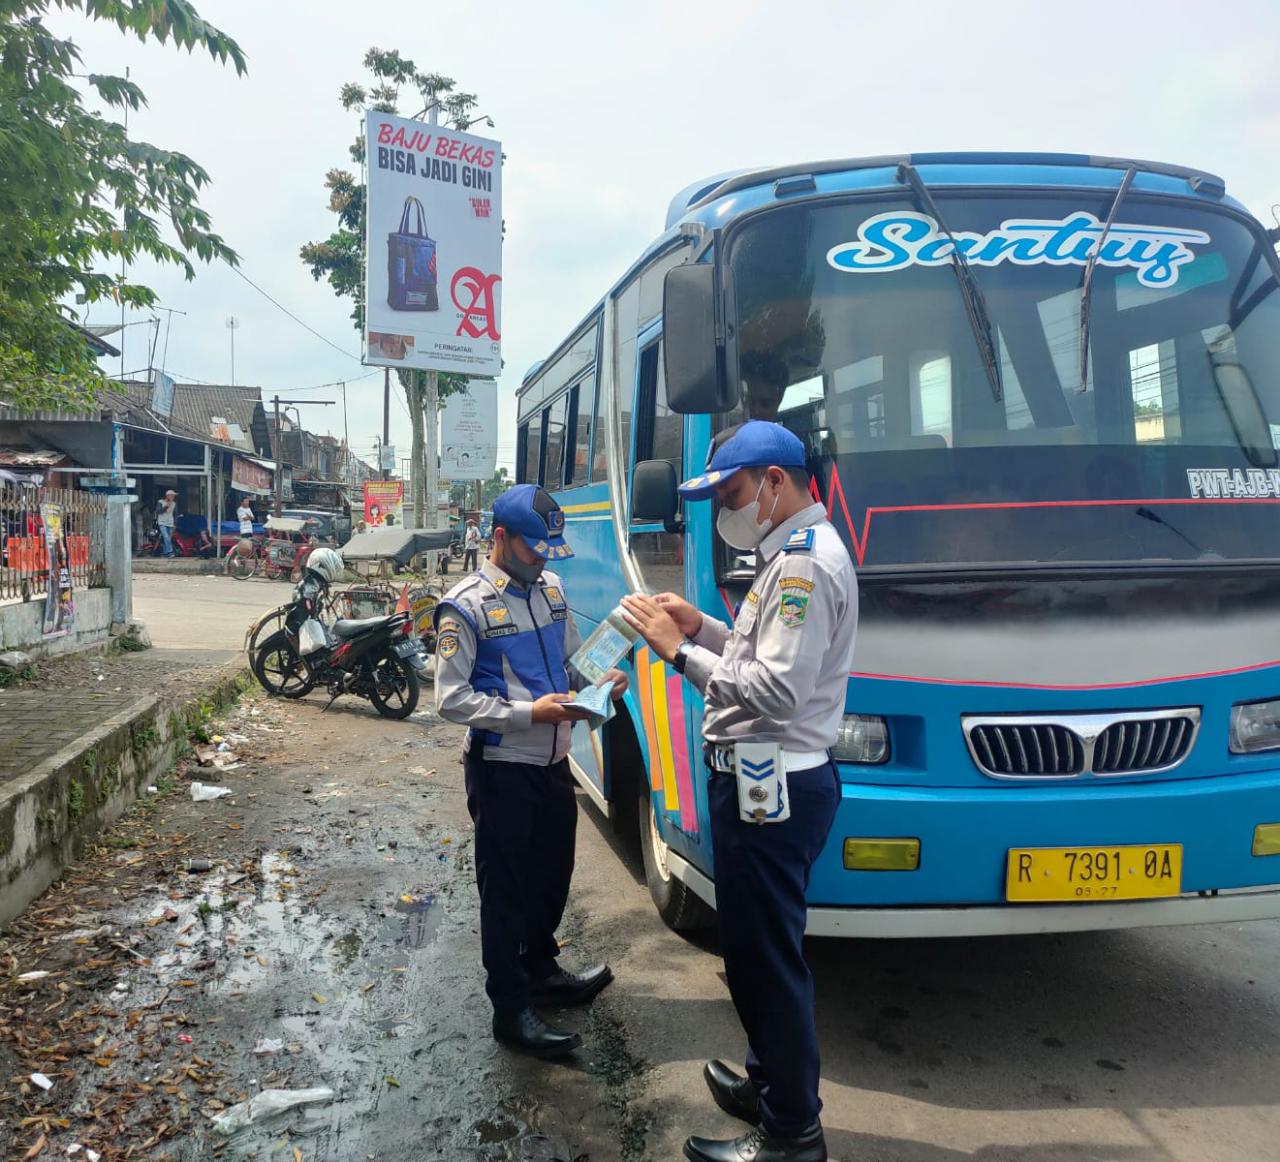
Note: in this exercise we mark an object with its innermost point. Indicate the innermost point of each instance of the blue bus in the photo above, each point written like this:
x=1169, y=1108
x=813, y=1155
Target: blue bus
x=1041, y=398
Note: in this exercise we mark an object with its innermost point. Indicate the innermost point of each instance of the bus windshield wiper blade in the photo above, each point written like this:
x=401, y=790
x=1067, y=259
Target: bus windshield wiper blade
x=975, y=306
x=1087, y=285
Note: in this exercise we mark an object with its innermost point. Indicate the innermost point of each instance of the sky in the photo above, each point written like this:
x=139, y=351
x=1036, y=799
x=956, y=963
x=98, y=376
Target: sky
x=605, y=110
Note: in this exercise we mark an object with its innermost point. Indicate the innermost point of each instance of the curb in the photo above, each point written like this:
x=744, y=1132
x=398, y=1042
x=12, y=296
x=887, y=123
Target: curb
x=49, y=815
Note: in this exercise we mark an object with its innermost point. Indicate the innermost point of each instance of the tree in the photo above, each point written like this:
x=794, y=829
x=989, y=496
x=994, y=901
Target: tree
x=340, y=258
x=463, y=493
x=76, y=193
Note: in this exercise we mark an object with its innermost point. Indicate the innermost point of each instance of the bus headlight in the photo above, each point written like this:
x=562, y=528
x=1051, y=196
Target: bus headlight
x=864, y=738
x=1255, y=726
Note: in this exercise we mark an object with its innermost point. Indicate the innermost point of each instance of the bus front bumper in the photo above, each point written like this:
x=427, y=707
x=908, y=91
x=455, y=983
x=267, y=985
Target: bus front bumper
x=883, y=923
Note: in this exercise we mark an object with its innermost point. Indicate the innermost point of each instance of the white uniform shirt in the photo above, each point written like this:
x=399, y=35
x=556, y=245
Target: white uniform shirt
x=780, y=674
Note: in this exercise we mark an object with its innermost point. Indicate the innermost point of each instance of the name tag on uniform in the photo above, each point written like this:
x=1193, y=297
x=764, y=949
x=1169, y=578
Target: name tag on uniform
x=762, y=783
x=555, y=599
x=497, y=619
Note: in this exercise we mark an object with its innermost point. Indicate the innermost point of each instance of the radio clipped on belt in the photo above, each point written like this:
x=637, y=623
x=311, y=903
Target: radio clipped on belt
x=762, y=782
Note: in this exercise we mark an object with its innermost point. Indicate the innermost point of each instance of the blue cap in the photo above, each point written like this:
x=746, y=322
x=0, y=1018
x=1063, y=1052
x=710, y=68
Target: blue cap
x=532, y=513
x=756, y=444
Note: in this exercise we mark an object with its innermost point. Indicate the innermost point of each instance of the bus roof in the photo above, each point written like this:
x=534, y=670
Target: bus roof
x=790, y=177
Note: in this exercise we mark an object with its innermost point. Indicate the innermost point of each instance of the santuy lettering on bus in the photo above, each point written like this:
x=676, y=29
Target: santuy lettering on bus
x=433, y=266
x=902, y=238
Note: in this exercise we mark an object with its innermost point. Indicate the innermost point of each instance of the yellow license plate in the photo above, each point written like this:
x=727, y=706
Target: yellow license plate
x=1139, y=871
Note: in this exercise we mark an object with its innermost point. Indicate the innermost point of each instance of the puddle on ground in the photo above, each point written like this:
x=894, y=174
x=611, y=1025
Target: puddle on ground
x=414, y=921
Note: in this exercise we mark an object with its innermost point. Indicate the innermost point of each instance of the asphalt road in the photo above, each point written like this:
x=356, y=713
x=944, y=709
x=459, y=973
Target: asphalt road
x=1146, y=1046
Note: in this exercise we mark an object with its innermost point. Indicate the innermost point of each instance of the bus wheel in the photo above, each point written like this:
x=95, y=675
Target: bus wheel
x=680, y=908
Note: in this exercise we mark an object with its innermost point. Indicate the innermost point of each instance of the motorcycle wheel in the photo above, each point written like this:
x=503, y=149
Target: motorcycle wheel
x=394, y=689
x=280, y=669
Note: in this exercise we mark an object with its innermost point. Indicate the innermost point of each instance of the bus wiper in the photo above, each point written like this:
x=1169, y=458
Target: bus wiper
x=975, y=306
x=1203, y=554
x=1087, y=285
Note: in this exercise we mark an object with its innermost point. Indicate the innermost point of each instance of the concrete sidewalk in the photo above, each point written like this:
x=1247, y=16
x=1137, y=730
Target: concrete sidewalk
x=82, y=740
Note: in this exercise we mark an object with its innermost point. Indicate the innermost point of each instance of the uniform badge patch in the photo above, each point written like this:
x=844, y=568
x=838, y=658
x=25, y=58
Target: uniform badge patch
x=792, y=609
x=752, y=596
x=447, y=644
x=796, y=583
x=497, y=619
x=801, y=540
x=555, y=598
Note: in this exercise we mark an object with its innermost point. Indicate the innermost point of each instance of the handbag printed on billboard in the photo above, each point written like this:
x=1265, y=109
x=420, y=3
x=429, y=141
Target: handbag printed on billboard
x=411, y=263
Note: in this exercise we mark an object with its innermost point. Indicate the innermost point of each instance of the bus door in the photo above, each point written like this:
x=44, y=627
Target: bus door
x=671, y=708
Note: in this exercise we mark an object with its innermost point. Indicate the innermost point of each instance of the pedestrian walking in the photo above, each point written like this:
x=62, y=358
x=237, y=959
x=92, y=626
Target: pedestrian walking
x=503, y=637
x=774, y=691
x=164, y=520
x=244, y=514
x=471, y=545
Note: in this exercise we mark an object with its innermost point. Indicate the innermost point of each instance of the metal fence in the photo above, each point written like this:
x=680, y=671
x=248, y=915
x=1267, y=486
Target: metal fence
x=31, y=523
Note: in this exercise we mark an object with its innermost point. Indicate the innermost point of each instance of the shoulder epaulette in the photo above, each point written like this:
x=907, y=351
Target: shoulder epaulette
x=800, y=541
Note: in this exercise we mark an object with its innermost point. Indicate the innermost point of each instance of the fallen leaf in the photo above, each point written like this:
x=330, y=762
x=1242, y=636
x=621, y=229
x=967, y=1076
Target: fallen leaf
x=392, y=1081
x=320, y=998
x=40, y=1143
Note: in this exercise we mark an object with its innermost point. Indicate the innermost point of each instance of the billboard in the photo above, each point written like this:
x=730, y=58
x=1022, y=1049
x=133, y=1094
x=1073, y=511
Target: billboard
x=433, y=248
x=469, y=432
x=383, y=503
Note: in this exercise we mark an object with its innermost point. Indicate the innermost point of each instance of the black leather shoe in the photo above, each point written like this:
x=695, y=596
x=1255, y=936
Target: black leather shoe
x=570, y=988
x=737, y=1096
x=526, y=1032
x=759, y=1146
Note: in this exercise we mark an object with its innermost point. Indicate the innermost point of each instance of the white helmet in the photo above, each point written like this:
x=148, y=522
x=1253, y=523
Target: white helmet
x=326, y=562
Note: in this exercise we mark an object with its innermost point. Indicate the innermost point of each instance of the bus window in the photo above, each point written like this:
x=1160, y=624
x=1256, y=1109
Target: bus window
x=553, y=458
x=659, y=436
x=599, y=459
x=577, y=462
x=529, y=472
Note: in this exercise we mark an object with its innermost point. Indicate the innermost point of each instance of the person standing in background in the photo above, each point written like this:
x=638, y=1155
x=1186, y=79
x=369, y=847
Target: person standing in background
x=164, y=520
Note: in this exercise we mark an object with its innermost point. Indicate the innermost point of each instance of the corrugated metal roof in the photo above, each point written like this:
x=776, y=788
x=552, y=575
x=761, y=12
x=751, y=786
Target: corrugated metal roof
x=196, y=406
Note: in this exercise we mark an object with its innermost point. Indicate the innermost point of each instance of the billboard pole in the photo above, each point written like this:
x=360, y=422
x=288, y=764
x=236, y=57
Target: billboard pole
x=386, y=417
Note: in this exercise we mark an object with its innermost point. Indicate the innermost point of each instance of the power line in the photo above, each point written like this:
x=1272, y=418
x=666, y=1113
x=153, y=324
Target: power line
x=280, y=306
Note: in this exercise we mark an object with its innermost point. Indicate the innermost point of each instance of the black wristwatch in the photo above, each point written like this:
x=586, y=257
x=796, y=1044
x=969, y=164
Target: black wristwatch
x=683, y=650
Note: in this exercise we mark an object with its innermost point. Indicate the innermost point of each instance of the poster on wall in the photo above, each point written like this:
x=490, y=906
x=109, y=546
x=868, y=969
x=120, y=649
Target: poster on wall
x=469, y=432
x=59, y=607
x=433, y=249
x=383, y=503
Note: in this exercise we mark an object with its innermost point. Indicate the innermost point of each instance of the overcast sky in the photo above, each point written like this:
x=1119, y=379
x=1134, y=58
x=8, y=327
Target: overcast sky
x=605, y=110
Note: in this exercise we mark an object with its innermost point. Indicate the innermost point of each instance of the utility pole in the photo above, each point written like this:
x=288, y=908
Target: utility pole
x=386, y=418
x=232, y=324
x=279, y=481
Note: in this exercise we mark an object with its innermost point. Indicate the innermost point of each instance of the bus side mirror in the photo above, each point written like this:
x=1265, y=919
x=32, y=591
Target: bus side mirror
x=654, y=496
x=700, y=353
x=1253, y=432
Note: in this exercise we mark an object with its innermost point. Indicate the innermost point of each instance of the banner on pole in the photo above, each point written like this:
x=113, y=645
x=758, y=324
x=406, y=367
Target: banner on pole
x=59, y=605
x=469, y=432
x=433, y=248
x=383, y=503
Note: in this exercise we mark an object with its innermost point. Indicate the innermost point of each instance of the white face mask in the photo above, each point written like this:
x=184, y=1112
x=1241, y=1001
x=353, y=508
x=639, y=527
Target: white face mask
x=740, y=528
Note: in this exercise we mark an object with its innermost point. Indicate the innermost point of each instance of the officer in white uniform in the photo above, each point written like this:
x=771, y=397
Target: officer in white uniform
x=777, y=679
x=503, y=639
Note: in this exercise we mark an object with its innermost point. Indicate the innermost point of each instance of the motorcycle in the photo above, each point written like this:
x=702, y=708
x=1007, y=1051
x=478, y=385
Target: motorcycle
x=377, y=658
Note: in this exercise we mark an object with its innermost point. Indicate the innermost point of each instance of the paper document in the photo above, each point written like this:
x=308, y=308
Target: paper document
x=597, y=702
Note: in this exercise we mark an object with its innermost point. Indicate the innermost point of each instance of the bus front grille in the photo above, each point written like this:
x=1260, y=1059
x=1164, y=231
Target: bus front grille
x=1066, y=746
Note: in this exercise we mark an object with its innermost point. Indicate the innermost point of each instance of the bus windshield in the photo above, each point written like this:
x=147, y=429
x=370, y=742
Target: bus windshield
x=853, y=331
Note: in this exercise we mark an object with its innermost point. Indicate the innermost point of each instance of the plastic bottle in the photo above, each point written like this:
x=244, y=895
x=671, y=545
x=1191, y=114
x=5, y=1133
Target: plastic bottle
x=608, y=644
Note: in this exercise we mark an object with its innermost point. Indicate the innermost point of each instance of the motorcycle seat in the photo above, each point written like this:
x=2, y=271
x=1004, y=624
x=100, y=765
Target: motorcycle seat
x=355, y=626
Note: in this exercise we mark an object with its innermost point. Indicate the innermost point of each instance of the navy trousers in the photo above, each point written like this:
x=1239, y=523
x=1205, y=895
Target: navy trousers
x=526, y=818
x=762, y=874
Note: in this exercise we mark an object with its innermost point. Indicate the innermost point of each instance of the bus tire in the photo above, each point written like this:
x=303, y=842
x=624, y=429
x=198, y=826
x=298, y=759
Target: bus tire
x=681, y=909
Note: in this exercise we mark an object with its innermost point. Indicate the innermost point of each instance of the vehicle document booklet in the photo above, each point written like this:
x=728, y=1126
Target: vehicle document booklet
x=597, y=702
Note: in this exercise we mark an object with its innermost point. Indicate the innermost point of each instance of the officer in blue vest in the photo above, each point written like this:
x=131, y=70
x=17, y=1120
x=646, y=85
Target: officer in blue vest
x=503, y=637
